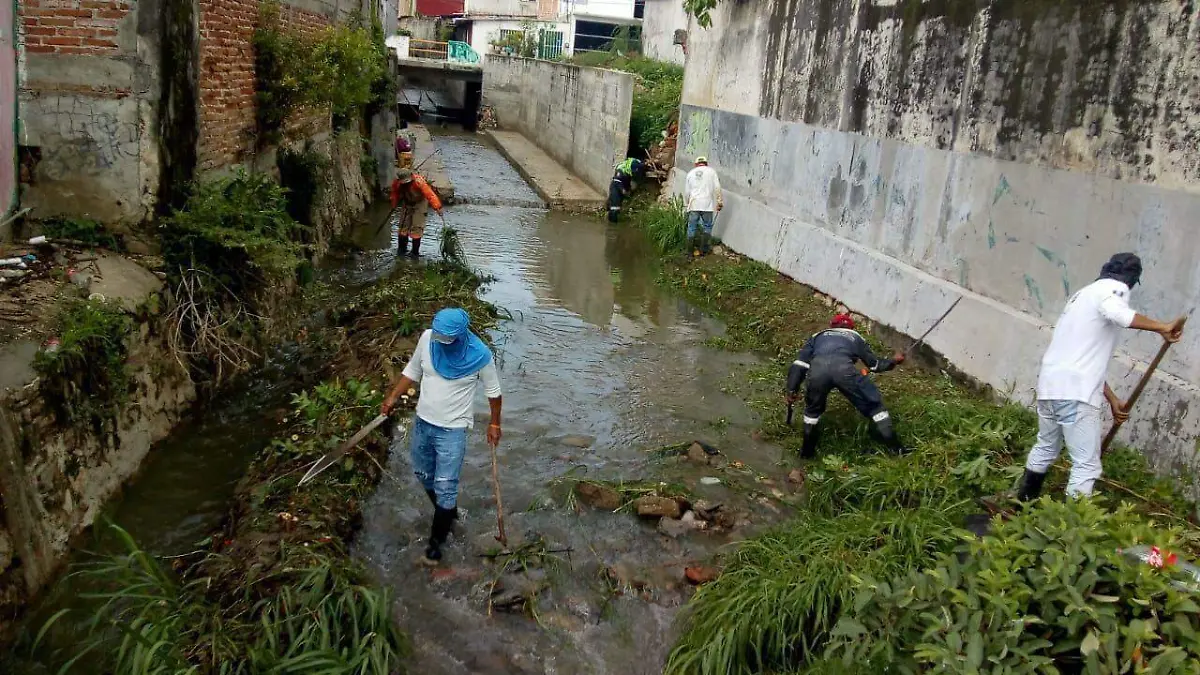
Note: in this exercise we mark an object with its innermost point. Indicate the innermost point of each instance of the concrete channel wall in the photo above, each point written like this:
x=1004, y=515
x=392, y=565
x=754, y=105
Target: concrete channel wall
x=900, y=155
x=577, y=115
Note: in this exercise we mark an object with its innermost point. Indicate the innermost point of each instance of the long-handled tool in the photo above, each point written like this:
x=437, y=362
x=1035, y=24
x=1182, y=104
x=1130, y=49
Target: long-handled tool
x=937, y=323
x=1141, y=385
x=330, y=458
x=502, y=537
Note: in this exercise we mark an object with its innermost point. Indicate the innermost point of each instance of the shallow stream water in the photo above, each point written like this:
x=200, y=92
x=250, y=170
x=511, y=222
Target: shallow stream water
x=600, y=368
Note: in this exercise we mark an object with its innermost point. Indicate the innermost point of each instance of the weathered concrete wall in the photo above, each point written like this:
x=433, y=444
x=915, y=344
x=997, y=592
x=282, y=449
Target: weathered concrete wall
x=663, y=18
x=579, y=116
x=900, y=154
x=54, y=480
x=88, y=108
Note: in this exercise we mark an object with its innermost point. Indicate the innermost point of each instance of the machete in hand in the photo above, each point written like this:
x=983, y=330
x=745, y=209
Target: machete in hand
x=937, y=323
x=329, y=459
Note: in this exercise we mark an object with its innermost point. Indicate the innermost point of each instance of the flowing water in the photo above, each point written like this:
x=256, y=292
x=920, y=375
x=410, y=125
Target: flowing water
x=600, y=368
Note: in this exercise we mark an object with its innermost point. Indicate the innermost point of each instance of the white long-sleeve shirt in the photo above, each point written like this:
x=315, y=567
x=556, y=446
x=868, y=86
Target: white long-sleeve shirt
x=447, y=403
x=1085, y=337
x=702, y=189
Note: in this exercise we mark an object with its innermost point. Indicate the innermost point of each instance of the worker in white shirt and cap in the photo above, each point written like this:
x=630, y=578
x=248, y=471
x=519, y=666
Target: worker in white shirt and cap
x=702, y=192
x=1071, y=383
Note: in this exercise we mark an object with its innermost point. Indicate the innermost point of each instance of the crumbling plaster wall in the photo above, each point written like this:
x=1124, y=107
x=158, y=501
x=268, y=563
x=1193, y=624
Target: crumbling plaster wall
x=898, y=154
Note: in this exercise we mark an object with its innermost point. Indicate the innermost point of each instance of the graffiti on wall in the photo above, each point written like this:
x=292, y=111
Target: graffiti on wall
x=8, y=109
x=83, y=135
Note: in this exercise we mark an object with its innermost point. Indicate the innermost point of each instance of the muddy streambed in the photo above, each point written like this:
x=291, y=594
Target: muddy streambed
x=600, y=368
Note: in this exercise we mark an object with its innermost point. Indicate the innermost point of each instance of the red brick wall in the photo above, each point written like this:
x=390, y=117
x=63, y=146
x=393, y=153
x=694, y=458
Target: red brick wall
x=72, y=26
x=227, y=76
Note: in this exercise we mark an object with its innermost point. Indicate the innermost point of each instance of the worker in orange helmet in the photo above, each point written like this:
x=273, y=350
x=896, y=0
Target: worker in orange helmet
x=411, y=192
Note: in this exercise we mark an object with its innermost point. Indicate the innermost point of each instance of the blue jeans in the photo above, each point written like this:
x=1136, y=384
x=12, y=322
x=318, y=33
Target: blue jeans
x=695, y=218
x=437, y=457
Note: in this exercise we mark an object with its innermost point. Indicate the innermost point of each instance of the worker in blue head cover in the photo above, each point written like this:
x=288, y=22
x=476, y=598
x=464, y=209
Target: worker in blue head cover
x=448, y=363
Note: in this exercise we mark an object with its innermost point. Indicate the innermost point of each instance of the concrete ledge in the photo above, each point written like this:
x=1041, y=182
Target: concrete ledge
x=431, y=166
x=557, y=186
x=989, y=341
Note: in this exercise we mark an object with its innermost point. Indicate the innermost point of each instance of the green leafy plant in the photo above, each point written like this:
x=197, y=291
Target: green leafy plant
x=783, y=592
x=302, y=174
x=657, y=92
x=701, y=9
x=1047, y=591
x=86, y=230
x=342, y=68
x=231, y=243
x=87, y=377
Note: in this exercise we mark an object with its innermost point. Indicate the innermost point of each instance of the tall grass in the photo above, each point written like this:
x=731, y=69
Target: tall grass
x=782, y=592
x=313, y=618
x=665, y=225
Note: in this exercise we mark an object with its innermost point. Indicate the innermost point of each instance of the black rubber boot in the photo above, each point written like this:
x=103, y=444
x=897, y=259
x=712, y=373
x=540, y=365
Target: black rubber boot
x=416, y=249
x=1031, y=486
x=402, y=246
x=443, y=520
x=887, y=434
x=812, y=434
x=705, y=244
x=432, y=497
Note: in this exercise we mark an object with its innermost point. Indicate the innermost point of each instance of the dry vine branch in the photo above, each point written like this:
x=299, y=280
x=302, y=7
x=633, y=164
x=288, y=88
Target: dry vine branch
x=202, y=329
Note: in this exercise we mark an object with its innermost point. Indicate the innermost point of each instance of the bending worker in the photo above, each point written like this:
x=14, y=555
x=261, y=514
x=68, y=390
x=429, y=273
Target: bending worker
x=1071, y=382
x=449, y=362
x=411, y=192
x=622, y=185
x=828, y=359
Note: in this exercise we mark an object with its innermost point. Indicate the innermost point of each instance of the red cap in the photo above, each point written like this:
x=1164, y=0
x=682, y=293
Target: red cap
x=842, y=321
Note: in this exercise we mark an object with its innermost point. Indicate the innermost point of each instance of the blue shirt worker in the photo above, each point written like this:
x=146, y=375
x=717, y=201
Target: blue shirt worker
x=829, y=361
x=448, y=363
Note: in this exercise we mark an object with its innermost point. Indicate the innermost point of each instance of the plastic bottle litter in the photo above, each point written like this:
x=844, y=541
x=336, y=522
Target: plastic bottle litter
x=710, y=480
x=13, y=274
x=38, y=240
x=6, y=262
x=51, y=345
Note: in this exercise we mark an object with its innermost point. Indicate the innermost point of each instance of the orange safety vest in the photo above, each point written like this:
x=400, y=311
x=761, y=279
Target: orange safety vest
x=413, y=197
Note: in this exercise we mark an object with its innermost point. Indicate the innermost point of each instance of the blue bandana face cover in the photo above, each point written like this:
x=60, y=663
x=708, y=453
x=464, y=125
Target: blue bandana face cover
x=456, y=351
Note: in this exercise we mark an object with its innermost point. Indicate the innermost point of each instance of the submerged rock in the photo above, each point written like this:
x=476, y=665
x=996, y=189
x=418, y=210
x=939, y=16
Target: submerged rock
x=599, y=496
x=701, y=575
x=578, y=441
x=653, y=506
x=796, y=476
x=697, y=454
x=674, y=528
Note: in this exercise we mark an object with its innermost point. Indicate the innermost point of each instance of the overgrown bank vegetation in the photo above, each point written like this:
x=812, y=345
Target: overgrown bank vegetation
x=657, y=92
x=875, y=575
x=274, y=590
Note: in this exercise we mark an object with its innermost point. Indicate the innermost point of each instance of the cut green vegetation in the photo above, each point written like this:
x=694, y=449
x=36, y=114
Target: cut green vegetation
x=87, y=380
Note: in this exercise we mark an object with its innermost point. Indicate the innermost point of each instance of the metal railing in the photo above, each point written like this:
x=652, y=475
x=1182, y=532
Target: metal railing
x=453, y=50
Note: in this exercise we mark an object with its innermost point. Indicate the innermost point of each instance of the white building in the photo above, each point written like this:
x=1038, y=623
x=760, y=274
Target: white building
x=547, y=28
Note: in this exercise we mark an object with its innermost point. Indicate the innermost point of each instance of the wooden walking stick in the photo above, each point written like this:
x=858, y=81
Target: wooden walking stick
x=502, y=538
x=1137, y=391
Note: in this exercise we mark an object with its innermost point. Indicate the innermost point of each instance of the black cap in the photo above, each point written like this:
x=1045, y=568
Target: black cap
x=1123, y=267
